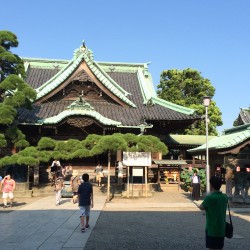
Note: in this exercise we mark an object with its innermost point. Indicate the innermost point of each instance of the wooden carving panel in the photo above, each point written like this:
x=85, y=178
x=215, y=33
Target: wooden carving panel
x=79, y=122
x=83, y=77
x=81, y=85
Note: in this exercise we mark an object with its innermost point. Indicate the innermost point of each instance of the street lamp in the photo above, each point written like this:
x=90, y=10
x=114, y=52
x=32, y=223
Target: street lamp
x=206, y=103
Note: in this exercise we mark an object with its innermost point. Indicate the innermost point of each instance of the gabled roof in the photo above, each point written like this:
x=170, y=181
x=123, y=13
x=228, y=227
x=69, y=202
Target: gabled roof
x=79, y=108
x=80, y=55
x=129, y=82
x=244, y=116
x=230, y=139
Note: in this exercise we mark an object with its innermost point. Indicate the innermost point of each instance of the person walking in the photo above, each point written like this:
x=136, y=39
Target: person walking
x=8, y=187
x=215, y=205
x=59, y=184
x=196, y=186
x=85, y=200
x=1, y=182
x=54, y=171
x=75, y=181
x=98, y=171
x=120, y=173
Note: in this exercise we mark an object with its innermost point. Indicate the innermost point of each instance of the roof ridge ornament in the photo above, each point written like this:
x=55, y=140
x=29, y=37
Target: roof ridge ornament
x=150, y=102
x=146, y=71
x=80, y=104
x=83, y=49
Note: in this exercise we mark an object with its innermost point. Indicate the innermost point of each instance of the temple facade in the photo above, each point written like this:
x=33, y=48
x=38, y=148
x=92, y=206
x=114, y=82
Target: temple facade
x=81, y=96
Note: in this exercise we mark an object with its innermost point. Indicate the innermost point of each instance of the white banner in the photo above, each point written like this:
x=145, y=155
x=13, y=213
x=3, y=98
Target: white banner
x=136, y=159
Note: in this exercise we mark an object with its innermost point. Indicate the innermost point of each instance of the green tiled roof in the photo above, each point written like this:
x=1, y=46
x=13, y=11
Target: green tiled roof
x=188, y=139
x=98, y=69
x=44, y=63
x=150, y=97
x=86, y=55
x=230, y=138
x=56, y=80
x=129, y=82
x=172, y=106
x=146, y=85
x=170, y=162
x=81, y=112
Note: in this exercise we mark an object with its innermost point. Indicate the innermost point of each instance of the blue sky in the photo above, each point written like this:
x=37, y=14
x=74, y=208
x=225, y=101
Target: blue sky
x=212, y=37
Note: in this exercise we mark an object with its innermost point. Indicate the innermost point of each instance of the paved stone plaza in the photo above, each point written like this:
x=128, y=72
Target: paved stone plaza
x=168, y=220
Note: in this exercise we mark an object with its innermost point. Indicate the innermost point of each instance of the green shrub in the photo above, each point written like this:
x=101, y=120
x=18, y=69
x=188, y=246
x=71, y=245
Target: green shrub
x=186, y=177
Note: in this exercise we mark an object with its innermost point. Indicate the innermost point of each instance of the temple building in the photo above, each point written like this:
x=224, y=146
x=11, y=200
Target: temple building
x=80, y=97
x=229, y=156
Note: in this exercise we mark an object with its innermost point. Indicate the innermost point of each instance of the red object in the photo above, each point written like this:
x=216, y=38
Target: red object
x=237, y=169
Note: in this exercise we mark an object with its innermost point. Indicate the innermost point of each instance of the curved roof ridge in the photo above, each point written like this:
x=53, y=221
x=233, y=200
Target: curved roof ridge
x=53, y=82
x=35, y=59
x=145, y=85
x=111, y=80
x=81, y=112
x=236, y=129
x=225, y=141
x=87, y=55
x=107, y=81
x=173, y=106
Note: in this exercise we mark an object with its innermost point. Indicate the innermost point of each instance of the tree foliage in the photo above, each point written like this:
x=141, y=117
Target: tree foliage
x=187, y=88
x=48, y=149
x=110, y=143
x=14, y=91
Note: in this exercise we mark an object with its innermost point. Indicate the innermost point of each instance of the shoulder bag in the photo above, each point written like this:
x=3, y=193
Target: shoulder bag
x=229, y=226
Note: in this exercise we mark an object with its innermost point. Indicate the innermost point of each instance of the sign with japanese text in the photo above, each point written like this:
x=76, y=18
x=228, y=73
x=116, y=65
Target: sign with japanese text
x=137, y=158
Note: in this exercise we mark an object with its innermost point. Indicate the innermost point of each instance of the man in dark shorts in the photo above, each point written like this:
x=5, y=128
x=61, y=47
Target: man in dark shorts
x=85, y=200
x=215, y=205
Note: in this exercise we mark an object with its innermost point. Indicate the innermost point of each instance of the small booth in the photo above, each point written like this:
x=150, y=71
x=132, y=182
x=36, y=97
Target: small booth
x=169, y=171
x=137, y=164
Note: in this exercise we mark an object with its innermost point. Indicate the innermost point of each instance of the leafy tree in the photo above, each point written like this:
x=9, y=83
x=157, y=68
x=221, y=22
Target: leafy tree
x=14, y=92
x=48, y=148
x=91, y=141
x=3, y=142
x=149, y=143
x=109, y=144
x=46, y=143
x=187, y=88
x=129, y=142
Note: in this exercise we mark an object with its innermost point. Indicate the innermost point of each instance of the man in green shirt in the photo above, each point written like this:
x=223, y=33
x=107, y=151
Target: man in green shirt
x=215, y=205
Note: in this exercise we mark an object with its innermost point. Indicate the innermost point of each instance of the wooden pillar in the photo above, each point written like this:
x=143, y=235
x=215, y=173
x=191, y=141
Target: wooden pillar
x=229, y=182
x=119, y=155
x=128, y=181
